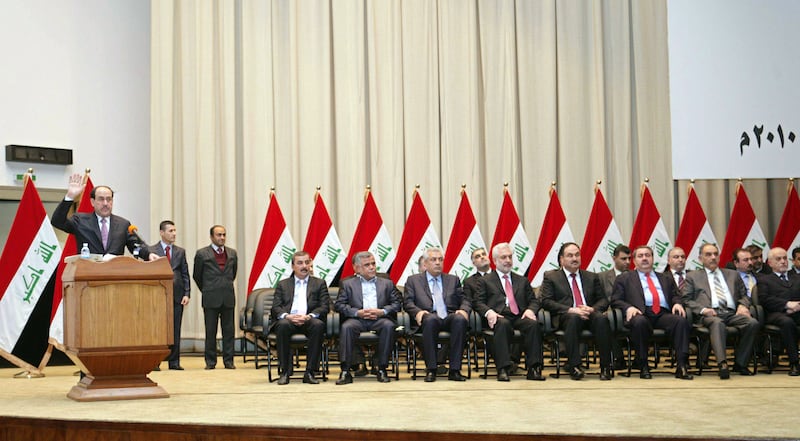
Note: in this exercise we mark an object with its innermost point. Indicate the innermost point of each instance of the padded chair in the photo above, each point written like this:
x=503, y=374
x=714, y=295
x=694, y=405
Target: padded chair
x=487, y=338
x=556, y=337
x=659, y=340
x=246, y=325
x=702, y=337
x=252, y=321
x=415, y=346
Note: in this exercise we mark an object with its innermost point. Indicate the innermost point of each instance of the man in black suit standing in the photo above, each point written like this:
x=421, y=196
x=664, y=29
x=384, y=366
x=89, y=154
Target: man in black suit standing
x=779, y=293
x=366, y=303
x=651, y=300
x=436, y=302
x=301, y=305
x=718, y=298
x=215, y=269
x=506, y=302
x=577, y=301
x=102, y=231
x=181, y=284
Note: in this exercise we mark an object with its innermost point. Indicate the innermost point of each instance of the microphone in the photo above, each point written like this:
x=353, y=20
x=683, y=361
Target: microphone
x=133, y=231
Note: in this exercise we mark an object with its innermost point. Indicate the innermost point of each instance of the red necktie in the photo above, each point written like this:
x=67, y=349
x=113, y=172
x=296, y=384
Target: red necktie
x=512, y=302
x=576, y=292
x=654, y=292
x=169, y=255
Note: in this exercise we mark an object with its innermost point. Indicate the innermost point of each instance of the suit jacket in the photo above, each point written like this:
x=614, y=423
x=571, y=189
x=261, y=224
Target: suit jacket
x=492, y=295
x=628, y=291
x=85, y=228
x=351, y=299
x=556, y=293
x=471, y=285
x=697, y=292
x=607, y=279
x=773, y=293
x=181, y=285
x=418, y=296
x=216, y=284
x=317, y=298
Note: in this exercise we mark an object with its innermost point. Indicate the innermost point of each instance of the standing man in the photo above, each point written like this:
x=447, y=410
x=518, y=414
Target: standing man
x=576, y=299
x=214, y=272
x=506, y=302
x=366, y=303
x=104, y=232
x=437, y=302
x=779, y=293
x=301, y=306
x=651, y=300
x=743, y=263
x=719, y=299
x=181, y=286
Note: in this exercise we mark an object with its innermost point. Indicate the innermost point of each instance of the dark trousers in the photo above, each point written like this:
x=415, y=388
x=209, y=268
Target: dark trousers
x=788, y=325
x=314, y=329
x=676, y=327
x=174, y=357
x=223, y=316
x=573, y=324
x=718, y=335
x=350, y=330
x=456, y=325
x=531, y=331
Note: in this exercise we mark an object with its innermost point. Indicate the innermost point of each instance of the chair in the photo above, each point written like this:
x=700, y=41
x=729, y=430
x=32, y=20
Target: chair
x=658, y=339
x=557, y=336
x=701, y=335
x=487, y=337
x=246, y=324
x=251, y=321
x=443, y=338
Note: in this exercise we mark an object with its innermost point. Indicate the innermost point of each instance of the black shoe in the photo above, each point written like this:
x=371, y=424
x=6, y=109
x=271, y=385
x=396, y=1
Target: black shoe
x=724, y=372
x=502, y=375
x=209, y=367
x=606, y=373
x=512, y=370
x=576, y=373
x=441, y=370
x=157, y=369
x=682, y=373
x=535, y=374
x=620, y=365
x=283, y=379
x=176, y=368
x=644, y=373
x=373, y=371
x=361, y=371
x=430, y=376
x=383, y=377
x=309, y=378
x=344, y=378
x=230, y=366
x=742, y=370
x=794, y=370
x=456, y=376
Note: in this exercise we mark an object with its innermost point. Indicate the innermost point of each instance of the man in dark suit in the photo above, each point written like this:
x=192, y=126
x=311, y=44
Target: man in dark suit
x=506, y=302
x=480, y=259
x=757, y=259
x=719, y=299
x=103, y=232
x=436, y=302
x=622, y=263
x=366, y=303
x=676, y=266
x=779, y=293
x=576, y=300
x=796, y=260
x=215, y=269
x=181, y=285
x=300, y=305
x=651, y=300
x=743, y=263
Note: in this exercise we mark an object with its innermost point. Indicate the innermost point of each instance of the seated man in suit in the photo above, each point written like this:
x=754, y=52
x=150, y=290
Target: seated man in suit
x=796, y=260
x=651, y=300
x=366, y=303
x=480, y=259
x=743, y=263
x=719, y=299
x=779, y=293
x=676, y=266
x=577, y=301
x=300, y=306
x=622, y=263
x=506, y=302
x=756, y=257
x=437, y=302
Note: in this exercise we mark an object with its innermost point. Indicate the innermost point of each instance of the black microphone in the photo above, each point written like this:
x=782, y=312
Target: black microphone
x=139, y=243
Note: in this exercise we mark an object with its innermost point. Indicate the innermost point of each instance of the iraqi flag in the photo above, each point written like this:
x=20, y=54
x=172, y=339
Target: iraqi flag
x=464, y=239
x=322, y=243
x=788, y=234
x=509, y=229
x=70, y=248
x=273, y=260
x=29, y=261
x=694, y=231
x=743, y=228
x=418, y=235
x=602, y=236
x=648, y=229
x=371, y=235
x=555, y=232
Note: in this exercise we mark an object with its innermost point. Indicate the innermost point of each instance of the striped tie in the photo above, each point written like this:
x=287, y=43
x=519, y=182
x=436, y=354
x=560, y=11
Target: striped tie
x=720, y=291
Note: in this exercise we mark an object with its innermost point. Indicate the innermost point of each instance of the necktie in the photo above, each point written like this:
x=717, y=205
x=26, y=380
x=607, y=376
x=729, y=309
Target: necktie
x=681, y=280
x=512, y=302
x=653, y=292
x=167, y=252
x=104, y=232
x=576, y=292
x=438, y=299
x=720, y=292
x=783, y=277
x=749, y=284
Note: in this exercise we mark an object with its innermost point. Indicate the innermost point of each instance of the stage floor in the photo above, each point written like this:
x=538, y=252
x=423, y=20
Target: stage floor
x=763, y=406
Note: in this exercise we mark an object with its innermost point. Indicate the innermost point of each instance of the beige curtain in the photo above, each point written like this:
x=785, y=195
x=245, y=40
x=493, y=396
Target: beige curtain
x=251, y=94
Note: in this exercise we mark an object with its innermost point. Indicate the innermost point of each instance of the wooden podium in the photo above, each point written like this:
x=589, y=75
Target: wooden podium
x=117, y=325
